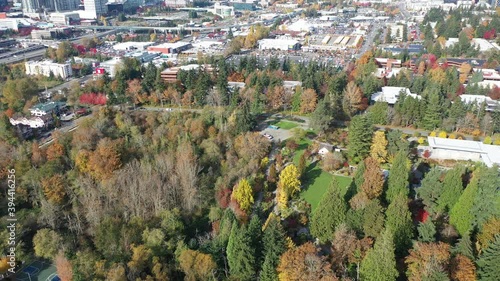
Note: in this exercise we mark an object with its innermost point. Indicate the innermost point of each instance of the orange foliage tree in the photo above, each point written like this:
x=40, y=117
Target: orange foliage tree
x=64, y=267
x=53, y=188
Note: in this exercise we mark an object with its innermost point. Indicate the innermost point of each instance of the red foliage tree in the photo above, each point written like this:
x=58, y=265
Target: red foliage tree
x=494, y=93
x=224, y=197
x=490, y=34
x=93, y=98
x=427, y=154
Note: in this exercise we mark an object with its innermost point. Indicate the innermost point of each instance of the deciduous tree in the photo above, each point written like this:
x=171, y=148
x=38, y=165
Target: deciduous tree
x=308, y=101
x=462, y=269
x=64, y=267
x=374, y=179
x=243, y=194
x=352, y=101
x=304, y=263
x=427, y=258
x=196, y=265
x=46, y=243
x=379, y=147
x=54, y=189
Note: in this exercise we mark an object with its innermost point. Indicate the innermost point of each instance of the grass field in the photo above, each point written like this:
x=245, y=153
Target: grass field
x=285, y=125
x=316, y=181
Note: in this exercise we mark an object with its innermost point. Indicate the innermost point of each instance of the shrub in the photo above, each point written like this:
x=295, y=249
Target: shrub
x=496, y=141
x=417, y=134
x=476, y=132
x=432, y=134
x=452, y=136
x=476, y=138
x=487, y=140
x=442, y=134
x=421, y=140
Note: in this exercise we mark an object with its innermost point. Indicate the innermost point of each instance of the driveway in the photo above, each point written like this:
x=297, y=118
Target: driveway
x=280, y=134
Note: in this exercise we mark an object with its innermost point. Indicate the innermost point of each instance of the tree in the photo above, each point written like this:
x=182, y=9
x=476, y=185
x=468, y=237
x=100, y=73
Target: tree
x=46, y=243
x=431, y=190
x=398, y=177
x=302, y=164
x=274, y=245
x=352, y=101
x=399, y=222
x=243, y=194
x=452, y=189
x=196, y=265
x=308, y=101
x=374, y=179
x=462, y=269
x=489, y=260
x=380, y=262
x=54, y=190
x=140, y=259
x=433, y=112
x=289, y=180
x=304, y=263
x=426, y=231
x=64, y=267
x=330, y=213
x=488, y=231
x=379, y=147
x=461, y=216
x=373, y=219
x=427, y=260
x=15, y=93
x=105, y=159
x=321, y=117
x=378, y=113
x=486, y=203
x=464, y=247
x=240, y=254
x=360, y=135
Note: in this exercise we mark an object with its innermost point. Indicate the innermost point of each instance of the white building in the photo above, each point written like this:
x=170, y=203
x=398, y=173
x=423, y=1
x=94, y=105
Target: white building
x=132, y=46
x=95, y=8
x=176, y=3
x=279, y=44
x=465, y=150
x=391, y=94
x=33, y=122
x=491, y=105
x=64, y=18
x=111, y=66
x=44, y=68
x=222, y=10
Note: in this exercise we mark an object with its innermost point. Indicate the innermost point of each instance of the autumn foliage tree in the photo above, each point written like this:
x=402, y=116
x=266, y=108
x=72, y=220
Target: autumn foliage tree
x=64, y=267
x=304, y=263
x=462, y=269
x=54, y=189
x=425, y=259
x=196, y=265
x=308, y=101
x=379, y=147
x=243, y=194
x=288, y=184
x=353, y=98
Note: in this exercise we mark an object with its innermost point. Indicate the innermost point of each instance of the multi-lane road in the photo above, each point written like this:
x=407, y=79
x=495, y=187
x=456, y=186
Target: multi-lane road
x=40, y=53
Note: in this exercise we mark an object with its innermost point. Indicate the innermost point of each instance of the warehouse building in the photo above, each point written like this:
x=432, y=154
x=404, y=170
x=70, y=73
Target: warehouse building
x=279, y=44
x=171, y=48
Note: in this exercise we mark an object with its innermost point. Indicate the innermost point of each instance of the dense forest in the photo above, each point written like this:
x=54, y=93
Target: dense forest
x=198, y=194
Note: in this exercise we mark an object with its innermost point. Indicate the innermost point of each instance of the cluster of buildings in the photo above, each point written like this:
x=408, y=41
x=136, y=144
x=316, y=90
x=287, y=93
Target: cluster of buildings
x=41, y=118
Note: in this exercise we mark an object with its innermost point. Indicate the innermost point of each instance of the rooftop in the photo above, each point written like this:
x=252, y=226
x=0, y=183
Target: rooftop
x=490, y=154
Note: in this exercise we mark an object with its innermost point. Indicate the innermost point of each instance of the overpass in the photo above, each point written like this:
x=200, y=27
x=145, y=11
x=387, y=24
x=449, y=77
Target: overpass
x=37, y=52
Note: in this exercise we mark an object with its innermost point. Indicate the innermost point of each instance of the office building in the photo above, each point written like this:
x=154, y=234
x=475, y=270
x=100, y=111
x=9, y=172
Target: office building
x=95, y=8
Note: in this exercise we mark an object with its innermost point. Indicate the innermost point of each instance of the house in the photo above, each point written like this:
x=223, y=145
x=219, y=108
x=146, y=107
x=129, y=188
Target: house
x=48, y=108
x=391, y=94
x=465, y=150
x=324, y=149
x=33, y=122
x=491, y=105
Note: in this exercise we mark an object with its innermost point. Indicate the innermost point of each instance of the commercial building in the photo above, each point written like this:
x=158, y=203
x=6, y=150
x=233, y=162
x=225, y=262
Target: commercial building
x=68, y=18
x=222, y=10
x=491, y=105
x=171, y=48
x=95, y=8
x=465, y=150
x=45, y=68
x=392, y=94
x=279, y=44
x=36, y=6
x=132, y=46
x=176, y=3
x=111, y=66
x=170, y=74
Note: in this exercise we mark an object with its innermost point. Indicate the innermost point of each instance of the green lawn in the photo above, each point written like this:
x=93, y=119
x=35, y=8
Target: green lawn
x=316, y=180
x=286, y=125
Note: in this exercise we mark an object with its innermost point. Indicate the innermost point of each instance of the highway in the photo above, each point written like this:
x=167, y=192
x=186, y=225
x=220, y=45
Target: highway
x=40, y=53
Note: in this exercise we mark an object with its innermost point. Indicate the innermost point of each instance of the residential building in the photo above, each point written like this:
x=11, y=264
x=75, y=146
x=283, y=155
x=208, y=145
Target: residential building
x=170, y=74
x=45, y=68
x=32, y=122
x=95, y=8
x=48, y=108
x=464, y=150
x=392, y=94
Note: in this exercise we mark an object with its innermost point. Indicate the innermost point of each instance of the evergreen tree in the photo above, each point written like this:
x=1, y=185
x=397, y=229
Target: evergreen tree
x=489, y=261
x=360, y=135
x=331, y=212
x=452, y=189
x=398, y=177
x=426, y=231
x=321, y=118
x=240, y=254
x=334, y=96
x=274, y=245
x=486, y=203
x=373, y=218
x=398, y=220
x=464, y=246
x=380, y=262
x=378, y=113
x=433, y=113
x=461, y=216
x=405, y=33
x=268, y=272
x=255, y=233
x=431, y=190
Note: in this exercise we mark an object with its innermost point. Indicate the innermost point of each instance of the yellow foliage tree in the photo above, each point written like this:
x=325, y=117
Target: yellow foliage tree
x=379, y=147
x=289, y=180
x=4, y=266
x=196, y=265
x=53, y=188
x=243, y=194
x=140, y=258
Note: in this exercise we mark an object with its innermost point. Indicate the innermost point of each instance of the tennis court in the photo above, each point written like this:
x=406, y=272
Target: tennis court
x=38, y=271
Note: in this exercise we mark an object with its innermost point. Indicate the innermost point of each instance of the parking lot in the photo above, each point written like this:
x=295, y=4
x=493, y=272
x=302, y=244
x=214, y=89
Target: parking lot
x=279, y=134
